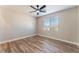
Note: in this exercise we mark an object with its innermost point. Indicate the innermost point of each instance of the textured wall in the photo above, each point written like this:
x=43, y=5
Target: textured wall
x=14, y=24
x=68, y=25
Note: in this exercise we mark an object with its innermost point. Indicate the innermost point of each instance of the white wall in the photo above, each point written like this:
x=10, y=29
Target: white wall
x=78, y=25
x=14, y=24
x=68, y=25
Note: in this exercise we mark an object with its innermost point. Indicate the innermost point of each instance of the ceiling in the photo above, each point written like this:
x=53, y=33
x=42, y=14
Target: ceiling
x=26, y=8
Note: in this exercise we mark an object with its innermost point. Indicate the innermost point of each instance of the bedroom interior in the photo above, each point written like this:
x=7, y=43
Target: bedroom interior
x=39, y=29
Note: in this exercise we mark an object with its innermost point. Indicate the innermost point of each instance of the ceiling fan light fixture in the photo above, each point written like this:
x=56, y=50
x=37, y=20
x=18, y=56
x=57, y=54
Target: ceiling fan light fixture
x=39, y=9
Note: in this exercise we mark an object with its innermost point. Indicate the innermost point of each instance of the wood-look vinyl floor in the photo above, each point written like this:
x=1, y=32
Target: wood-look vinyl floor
x=38, y=44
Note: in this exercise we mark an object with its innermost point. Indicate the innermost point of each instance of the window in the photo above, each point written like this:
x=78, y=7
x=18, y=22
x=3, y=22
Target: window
x=47, y=24
x=51, y=23
x=54, y=23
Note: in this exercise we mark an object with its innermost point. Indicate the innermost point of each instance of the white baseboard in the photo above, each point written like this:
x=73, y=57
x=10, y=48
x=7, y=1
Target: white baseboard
x=39, y=35
x=16, y=39
x=60, y=39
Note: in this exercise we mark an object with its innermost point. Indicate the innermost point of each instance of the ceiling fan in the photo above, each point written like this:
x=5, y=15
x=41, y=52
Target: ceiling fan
x=38, y=9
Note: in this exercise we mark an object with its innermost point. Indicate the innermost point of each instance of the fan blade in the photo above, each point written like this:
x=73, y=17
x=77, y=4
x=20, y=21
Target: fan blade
x=33, y=7
x=43, y=11
x=43, y=6
x=32, y=11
